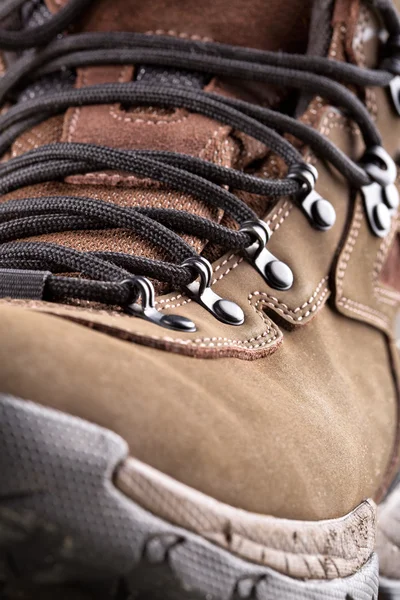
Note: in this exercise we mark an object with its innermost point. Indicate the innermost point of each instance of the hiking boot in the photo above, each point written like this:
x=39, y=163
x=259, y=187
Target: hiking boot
x=199, y=282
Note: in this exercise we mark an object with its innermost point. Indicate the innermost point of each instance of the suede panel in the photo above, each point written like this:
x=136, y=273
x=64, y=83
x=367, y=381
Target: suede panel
x=302, y=434
x=391, y=269
x=252, y=23
x=360, y=293
x=365, y=293
x=112, y=125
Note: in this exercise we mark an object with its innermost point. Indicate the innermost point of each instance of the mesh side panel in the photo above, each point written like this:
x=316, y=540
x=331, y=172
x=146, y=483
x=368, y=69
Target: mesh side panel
x=162, y=76
x=48, y=85
x=34, y=14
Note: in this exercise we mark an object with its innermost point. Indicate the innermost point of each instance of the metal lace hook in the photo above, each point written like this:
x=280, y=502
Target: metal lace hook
x=147, y=309
x=200, y=290
x=276, y=273
x=320, y=212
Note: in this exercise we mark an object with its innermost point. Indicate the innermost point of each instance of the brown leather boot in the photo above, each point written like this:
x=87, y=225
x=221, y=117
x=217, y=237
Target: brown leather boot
x=199, y=273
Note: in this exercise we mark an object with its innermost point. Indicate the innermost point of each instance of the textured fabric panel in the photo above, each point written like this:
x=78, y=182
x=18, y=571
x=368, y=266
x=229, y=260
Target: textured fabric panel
x=34, y=13
x=46, y=133
x=159, y=76
x=115, y=240
x=51, y=84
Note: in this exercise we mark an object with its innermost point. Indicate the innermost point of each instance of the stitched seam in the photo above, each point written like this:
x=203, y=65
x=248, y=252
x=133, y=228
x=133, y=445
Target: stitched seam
x=335, y=42
x=363, y=311
x=393, y=302
x=218, y=154
x=287, y=207
x=389, y=293
x=180, y=34
x=351, y=305
x=300, y=312
x=119, y=115
x=239, y=259
x=369, y=309
x=73, y=124
x=383, y=249
x=247, y=344
x=380, y=291
x=236, y=264
x=348, y=249
x=113, y=179
x=29, y=140
x=358, y=308
x=116, y=113
x=218, y=342
x=331, y=120
x=167, y=302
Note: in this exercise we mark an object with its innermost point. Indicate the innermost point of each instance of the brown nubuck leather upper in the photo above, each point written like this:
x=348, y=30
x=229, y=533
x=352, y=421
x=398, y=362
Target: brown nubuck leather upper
x=295, y=412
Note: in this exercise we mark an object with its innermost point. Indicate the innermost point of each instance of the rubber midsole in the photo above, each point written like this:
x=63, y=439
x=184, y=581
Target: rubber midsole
x=311, y=550
x=56, y=473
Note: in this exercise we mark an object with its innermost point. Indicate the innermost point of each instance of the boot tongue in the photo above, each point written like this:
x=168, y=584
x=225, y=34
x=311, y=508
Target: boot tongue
x=273, y=25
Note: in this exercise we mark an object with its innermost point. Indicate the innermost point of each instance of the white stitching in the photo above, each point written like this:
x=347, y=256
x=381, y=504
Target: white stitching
x=198, y=342
x=311, y=305
x=351, y=305
x=286, y=205
x=383, y=294
x=349, y=247
x=364, y=311
x=180, y=34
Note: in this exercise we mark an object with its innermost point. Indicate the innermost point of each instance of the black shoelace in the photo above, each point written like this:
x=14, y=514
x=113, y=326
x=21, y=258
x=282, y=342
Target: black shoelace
x=111, y=277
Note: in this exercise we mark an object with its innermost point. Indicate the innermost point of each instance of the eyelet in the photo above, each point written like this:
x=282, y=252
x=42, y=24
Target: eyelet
x=224, y=310
x=147, y=310
x=320, y=212
x=276, y=273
